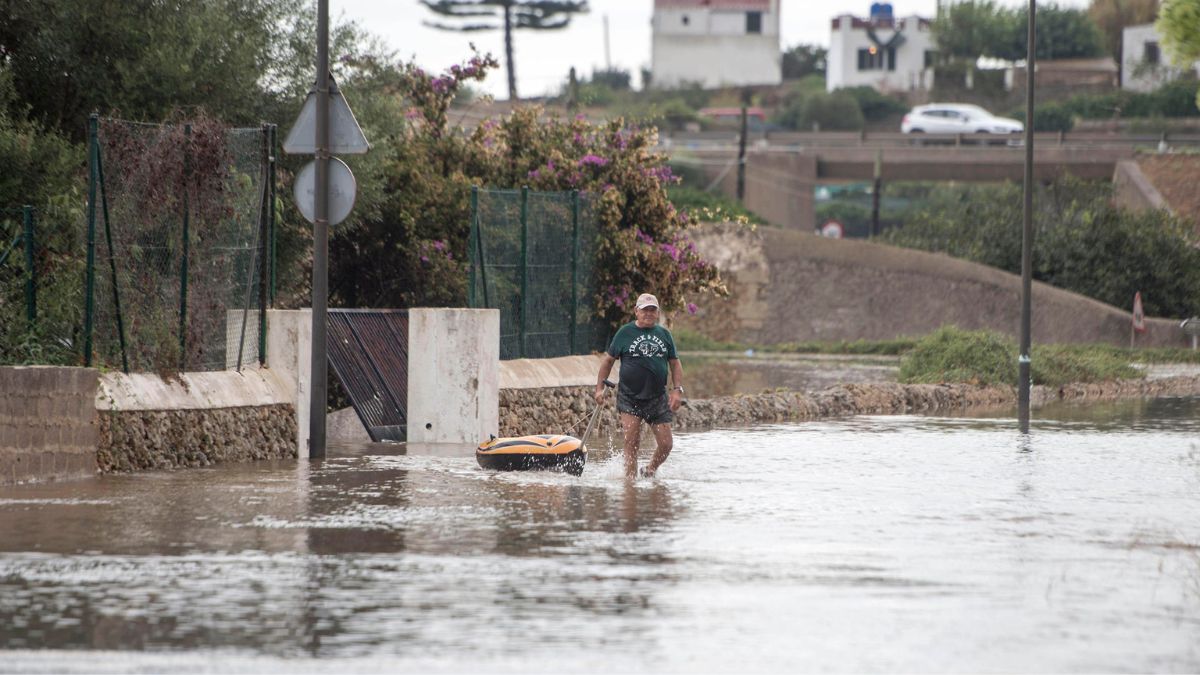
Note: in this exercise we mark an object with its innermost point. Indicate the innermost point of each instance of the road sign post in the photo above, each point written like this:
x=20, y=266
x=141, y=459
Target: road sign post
x=325, y=125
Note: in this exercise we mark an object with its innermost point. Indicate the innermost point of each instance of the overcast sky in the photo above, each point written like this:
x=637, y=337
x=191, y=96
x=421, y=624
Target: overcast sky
x=543, y=58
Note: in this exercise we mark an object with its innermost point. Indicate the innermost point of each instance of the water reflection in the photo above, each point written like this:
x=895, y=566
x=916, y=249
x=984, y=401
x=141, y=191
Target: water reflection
x=722, y=374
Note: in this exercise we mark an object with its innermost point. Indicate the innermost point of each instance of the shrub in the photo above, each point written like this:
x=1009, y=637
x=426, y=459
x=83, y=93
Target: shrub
x=874, y=105
x=829, y=112
x=950, y=354
x=430, y=167
x=1048, y=117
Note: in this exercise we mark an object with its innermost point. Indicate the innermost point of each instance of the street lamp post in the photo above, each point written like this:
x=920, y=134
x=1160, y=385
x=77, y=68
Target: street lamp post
x=1024, y=362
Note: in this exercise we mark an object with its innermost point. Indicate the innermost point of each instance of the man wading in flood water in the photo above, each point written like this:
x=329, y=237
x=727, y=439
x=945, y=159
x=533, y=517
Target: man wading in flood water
x=646, y=350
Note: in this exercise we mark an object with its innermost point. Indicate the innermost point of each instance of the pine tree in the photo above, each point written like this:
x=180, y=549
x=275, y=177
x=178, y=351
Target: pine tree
x=479, y=15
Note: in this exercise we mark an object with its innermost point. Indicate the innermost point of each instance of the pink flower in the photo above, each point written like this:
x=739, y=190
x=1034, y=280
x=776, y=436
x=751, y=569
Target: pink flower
x=691, y=308
x=592, y=160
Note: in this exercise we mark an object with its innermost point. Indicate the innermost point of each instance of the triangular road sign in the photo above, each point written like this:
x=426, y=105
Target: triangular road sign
x=345, y=136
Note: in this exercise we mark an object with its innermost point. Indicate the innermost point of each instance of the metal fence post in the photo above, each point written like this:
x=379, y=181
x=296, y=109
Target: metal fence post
x=90, y=274
x=472, y=236
x=183, y=264
x=112, y=260
x=271, y=206
x=30, y=269
x=524, y=269
x=263, y=244
x=482, y=257
x=574, y=348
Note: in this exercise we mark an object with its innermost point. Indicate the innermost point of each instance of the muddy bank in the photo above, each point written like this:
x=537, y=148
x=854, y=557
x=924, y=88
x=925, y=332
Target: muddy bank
x=564, y=409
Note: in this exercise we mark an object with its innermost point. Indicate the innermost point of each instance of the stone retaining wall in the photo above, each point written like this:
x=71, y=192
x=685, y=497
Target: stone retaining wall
x=136, y=440
x=564, y=409
x=193, y=419
x=47, y=423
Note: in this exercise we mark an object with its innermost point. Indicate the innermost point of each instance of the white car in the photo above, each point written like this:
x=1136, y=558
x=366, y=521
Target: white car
x=957, y=118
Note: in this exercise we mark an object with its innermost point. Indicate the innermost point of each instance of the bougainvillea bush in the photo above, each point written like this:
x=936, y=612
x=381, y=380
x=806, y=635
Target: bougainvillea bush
x=430, y=164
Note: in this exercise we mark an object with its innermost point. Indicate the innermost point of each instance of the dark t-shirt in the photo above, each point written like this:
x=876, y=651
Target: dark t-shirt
x=644, y=354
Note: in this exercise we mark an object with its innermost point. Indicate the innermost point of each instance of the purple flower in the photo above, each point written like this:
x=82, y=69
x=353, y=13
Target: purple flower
x=642, y=236
x=424, y=258
x=535, y=174
x=691, y=308
x=592, y=160
x=439, y=245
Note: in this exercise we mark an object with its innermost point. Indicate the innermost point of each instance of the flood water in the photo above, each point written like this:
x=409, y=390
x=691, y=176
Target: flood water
x=862, y=544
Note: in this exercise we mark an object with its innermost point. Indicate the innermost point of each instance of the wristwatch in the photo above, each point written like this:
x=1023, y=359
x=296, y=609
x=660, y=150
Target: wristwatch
x=678, y=389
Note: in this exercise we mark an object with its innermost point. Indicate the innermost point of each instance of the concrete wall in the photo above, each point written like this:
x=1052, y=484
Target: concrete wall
x=849, y=35
x=790, y=286
x=1136, y=74
x=710, y=46
x=48, y=425
x=453, y=374
x=1133, y=190
x=195, y=419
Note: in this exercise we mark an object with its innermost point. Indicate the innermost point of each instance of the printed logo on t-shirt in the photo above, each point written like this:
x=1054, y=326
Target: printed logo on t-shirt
x=648, y=345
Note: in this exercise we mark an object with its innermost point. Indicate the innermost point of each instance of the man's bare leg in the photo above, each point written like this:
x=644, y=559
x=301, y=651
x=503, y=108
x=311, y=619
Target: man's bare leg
x=632, y=426
x=664, y=442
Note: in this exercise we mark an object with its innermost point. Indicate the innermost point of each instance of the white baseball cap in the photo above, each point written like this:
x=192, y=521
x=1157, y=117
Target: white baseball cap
x=646, y=300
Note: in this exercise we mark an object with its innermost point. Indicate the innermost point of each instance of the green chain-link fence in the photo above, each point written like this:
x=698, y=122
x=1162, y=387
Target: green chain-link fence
x=18, y=271
x=178, y=251
x=531, y=257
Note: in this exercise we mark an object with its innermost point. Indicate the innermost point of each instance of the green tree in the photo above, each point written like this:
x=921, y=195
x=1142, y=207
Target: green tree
x=804, y=60
x=145, y=58
x=1113, y=16
x=1179, y=24
x=970, y=29
x=506, y=15
x=974, y=28
x=1062, y=33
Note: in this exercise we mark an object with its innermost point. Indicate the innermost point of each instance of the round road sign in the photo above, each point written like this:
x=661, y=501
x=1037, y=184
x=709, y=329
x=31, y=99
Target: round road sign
x=342, y=190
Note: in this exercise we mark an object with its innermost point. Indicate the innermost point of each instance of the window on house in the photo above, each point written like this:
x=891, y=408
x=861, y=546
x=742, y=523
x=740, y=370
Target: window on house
x=877, y=59
x=685, y=19
x=930, y=58
x=754, y=23
x=1150, y=53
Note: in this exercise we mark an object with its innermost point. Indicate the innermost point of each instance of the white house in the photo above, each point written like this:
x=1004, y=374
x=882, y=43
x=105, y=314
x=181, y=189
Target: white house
x=1144, y=66
x=717, y=43
x=890, y=54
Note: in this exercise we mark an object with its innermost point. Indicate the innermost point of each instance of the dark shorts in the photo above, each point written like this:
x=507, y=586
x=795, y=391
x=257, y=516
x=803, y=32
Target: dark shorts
x=653, y=411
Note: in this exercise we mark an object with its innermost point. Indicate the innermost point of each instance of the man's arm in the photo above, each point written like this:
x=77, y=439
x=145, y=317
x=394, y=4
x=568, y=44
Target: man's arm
x=676, y=397
x=606, y=364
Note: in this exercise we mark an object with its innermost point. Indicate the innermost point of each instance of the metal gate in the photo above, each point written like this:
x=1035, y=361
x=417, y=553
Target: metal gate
x=368, y=350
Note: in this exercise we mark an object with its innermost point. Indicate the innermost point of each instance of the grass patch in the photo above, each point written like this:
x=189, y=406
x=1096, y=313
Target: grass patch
x=988, y=358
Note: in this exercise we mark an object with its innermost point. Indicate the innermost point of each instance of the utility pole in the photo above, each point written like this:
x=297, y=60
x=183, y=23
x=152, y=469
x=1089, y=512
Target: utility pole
x=1024, y=363
x=320, y=279
x=875, y=193
x=741, y=164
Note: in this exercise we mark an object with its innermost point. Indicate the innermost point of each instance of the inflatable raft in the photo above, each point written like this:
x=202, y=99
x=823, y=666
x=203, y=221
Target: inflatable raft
x=524, y=453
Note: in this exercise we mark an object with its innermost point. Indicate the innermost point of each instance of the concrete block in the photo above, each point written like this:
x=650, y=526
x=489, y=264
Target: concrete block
x=453, y=375
x=289, y=356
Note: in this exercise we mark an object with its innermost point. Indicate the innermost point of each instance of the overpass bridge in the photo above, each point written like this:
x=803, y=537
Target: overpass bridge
x=782, y=170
